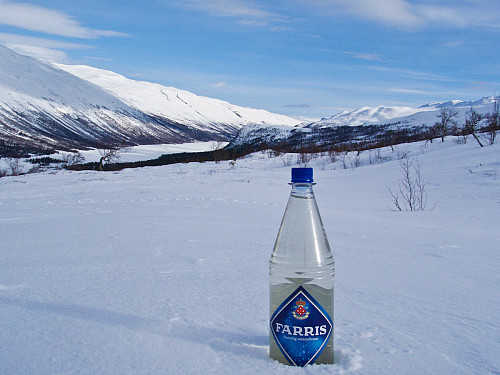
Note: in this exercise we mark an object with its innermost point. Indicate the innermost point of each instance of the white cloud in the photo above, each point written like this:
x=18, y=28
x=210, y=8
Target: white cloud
x=41, y=53
x=397, y=13
x=7, y=38
x=35, y=18
x=220, y=84
x=461, y=14
x=365, y=56
x=41, y=48
x=229, y=8
x=415, y=15
x=246, y=12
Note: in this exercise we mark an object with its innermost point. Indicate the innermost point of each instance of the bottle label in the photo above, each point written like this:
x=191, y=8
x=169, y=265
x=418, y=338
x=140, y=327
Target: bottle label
x=301, y=328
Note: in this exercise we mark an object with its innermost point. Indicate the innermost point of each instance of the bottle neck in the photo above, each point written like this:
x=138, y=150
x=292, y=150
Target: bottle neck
x=302, y=189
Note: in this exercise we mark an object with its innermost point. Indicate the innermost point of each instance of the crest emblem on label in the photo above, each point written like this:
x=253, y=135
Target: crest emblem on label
x=301, y=328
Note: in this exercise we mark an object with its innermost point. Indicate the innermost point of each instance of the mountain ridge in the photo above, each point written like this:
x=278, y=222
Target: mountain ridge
x=366, y=127
x=175, y=104
x=45, y=108
x=383, y=114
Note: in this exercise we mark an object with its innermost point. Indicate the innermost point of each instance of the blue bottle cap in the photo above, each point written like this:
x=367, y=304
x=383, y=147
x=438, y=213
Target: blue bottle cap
x=302, y=175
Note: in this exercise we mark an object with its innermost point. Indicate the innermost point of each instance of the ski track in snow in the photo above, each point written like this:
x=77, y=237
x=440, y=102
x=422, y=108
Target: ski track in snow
x=165, y=269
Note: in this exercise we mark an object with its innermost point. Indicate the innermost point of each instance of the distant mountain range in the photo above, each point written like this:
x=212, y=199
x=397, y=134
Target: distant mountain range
x=367, y=126
x=46, y=107
x=425, y=114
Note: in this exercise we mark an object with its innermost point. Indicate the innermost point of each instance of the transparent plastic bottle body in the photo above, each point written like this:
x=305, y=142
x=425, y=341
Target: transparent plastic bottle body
x=301, y=258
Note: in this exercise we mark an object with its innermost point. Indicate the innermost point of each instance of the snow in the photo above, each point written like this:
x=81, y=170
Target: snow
x=29, y=82
x=82, y=105
x=369, y=115
x=165, y=269
x=175, y=104
x=424, y=115
x=148, y=152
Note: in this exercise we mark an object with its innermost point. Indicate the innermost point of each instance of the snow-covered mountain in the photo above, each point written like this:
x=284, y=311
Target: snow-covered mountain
x=364, y=125
x=423, y=115
x=176, y=105
x=43, y=106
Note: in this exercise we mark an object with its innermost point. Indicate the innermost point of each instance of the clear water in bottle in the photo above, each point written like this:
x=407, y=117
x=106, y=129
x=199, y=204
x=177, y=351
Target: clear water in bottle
x=301, y=281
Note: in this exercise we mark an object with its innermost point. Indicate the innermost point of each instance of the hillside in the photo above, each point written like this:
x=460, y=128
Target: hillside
x=44, y=108
x=362, y=128
x=179, y=106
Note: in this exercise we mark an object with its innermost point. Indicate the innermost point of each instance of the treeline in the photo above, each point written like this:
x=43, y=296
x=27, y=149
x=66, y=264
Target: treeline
x=185, y=157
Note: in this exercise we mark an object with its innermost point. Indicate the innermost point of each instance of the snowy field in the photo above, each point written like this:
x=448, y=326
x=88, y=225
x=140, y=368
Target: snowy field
x=147, y=152
x=164, y=270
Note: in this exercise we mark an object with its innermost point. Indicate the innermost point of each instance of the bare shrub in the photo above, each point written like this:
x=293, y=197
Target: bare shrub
x=275, y=152
x=14, y=167
x=286, y=159
x=343, y=155
x=304, y=157
x=73, y=158
x=411, y=193
x=356, y=162
x=332, y=155
x=35, y=169
x=375, y=156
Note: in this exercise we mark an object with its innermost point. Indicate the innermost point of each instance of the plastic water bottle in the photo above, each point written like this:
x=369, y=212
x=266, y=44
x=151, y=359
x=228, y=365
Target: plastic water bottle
x=301, y=281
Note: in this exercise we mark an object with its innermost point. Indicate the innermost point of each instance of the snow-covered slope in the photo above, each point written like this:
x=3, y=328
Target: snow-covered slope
x=424, y=115
x=367, y=124
x=174, y=104
x=367, y=115
x=45, y=106
x=164, y=270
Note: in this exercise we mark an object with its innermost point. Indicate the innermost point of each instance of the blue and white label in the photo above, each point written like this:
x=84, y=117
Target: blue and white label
x=301, y=328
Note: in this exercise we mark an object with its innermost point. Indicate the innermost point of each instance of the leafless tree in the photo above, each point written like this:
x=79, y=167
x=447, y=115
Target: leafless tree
x=216, y=148
x=73, y=158
x=15, y=166
x=108, y=155
x=216, y=145
x=493, y=122
x=446, y=117
x=472, y=120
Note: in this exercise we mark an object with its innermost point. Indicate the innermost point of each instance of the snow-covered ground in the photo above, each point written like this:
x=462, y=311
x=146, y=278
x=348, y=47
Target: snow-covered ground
x=164, y=270
x=126, y=154
x=147, y=152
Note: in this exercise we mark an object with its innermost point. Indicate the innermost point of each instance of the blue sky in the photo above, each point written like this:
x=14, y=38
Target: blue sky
x=309, y=58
